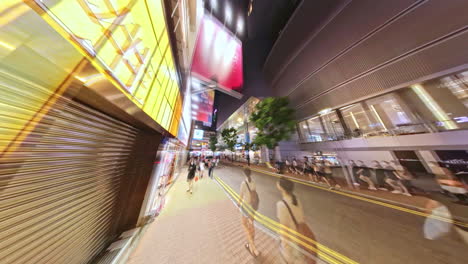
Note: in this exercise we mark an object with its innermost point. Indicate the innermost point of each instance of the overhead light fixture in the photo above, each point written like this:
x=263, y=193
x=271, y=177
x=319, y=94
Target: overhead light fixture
x=325, y=111
x=195, y=106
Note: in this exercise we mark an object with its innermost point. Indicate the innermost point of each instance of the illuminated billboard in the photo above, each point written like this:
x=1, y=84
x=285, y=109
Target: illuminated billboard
x=218, y=56
x=198, y=134
x=204, y=101
x=128, y=42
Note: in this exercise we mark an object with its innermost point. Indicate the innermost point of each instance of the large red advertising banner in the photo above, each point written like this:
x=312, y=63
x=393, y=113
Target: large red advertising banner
x=218, y=56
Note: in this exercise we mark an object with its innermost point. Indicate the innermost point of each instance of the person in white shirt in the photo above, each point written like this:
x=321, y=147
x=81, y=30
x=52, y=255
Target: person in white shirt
x=295, y=166
x=247, y=186
x=201, y=168
x=289, y=253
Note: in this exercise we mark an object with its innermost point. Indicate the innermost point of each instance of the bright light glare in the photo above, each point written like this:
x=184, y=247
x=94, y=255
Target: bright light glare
x=240, y=25
x=228, y=14
x=214, y=4
x=6, y=46
x=195, y=106
x=209, y=29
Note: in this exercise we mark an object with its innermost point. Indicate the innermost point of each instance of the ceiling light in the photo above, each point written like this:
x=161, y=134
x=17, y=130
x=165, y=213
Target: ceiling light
x=325, y=111
x=195, y=106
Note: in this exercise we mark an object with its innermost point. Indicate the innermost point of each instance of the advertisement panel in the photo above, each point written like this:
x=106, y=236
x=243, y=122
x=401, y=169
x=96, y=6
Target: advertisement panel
x=205, y=101
x=218, y=56
x=198, y=134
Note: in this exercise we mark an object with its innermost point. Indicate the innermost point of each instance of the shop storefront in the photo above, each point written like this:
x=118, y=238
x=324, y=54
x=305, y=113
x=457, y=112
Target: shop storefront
x=87, y=91
x=169, y=161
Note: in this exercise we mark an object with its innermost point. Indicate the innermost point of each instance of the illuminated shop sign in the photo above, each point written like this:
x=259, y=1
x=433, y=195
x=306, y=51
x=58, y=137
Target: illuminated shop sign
x=218, y=56
x=126, y=40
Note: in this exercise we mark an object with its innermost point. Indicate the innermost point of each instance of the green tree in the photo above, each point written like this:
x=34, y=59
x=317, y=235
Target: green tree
x=229, y=136
x=274, y=119
x=213, y=142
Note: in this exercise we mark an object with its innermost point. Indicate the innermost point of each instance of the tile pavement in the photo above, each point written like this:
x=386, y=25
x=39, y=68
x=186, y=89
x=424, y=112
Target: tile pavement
x=204, y=227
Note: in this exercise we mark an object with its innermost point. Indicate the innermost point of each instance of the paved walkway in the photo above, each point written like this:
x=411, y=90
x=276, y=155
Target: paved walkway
x=204, y=227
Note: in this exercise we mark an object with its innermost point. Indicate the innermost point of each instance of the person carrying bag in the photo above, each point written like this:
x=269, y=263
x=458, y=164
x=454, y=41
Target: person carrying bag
x=291, y=215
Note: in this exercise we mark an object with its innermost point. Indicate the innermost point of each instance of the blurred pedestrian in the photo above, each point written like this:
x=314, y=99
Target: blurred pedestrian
x=391, y=179
x=328, y=175
x=308, y=170
x=249, y=198
x=449, y=182
x=379, y=175
x=201, y=168
x=291, y=215
x=288, y=165
x=364, y=174
x=192, y=168
x=211, y=166
x=404, y=178
x=295, y=166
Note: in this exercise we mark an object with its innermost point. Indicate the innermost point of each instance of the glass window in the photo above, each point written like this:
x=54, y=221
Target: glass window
x=303, y=131
x=392, y=117
x=445, y=101
x=317, y=132
x=332, y=125
x=358, y=121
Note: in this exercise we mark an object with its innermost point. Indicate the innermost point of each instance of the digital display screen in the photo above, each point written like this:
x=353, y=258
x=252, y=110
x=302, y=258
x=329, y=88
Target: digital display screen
x=198, y=134
x=205, y=101
x=218, y=56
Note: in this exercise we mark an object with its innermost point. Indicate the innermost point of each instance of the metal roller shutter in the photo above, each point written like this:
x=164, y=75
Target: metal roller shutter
x=59, y=188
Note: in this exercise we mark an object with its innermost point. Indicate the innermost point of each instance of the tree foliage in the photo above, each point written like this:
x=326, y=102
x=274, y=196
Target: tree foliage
x=213, y=142
x=275, y=121
x=229, y=136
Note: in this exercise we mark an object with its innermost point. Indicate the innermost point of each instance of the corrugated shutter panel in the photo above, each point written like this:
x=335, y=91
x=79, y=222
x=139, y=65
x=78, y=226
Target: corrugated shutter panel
x=59, y=188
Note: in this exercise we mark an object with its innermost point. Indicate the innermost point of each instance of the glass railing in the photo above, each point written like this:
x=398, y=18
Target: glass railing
x=399, y=130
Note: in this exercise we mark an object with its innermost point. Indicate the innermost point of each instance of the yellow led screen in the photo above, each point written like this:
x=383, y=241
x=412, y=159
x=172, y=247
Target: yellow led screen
x=128, y=41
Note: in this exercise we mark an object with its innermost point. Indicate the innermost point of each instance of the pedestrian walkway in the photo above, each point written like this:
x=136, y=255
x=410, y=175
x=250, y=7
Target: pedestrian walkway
x=204, y=227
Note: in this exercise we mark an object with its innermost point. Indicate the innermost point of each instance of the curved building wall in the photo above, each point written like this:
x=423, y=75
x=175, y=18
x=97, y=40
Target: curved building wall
x=331, y=54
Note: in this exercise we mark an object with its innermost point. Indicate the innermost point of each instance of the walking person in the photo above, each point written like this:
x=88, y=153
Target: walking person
x=295, y=166
x=211, y=166
x=391, y=179
x=364, y=174
x=191, y=174
x=249, y=196
x=379, y=173
x=328, y=175
x=201, y=168
x=404, y=178
x=308, y=170
x=288, y=165
x=291, y=215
